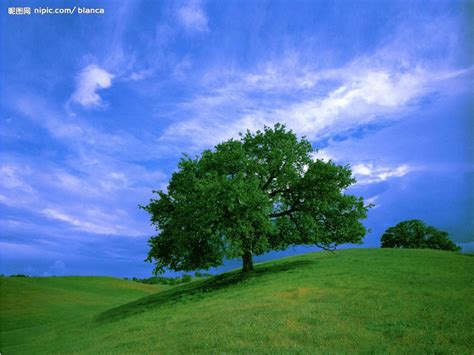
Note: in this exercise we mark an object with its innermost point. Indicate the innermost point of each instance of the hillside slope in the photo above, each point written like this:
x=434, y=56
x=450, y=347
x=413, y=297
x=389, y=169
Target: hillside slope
x=360, y=300
x=37, y=307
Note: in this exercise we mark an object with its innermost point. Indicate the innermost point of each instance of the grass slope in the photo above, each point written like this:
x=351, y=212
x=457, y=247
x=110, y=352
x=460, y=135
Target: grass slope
x=360, y=300
x=36, y=310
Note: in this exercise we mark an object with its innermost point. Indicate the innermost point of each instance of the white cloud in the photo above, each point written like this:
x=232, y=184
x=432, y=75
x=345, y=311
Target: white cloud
x=91, y=79
x=207, y=132
x=105, y=192
x=80, y=134
x=323, y=154
x=314, y=103
x=101, y=171
x=82, y=225
x=300, y=89
x=192, y=17
x=139, y=75
x=71, y=183
x=372, y=200
x=359, y=100
x=13, y=177
x=20, y=249
x=368, y=173
x=101, y=223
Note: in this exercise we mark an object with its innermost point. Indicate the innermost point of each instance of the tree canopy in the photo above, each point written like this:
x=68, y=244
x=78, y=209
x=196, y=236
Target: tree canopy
x=248, y=196
x=415, y=234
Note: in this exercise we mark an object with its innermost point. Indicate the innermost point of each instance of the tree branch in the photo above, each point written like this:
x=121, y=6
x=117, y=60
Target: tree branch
x=326, y=246
x=269, y=181
x=276, y=192
x=274, y=175
x=283, y=213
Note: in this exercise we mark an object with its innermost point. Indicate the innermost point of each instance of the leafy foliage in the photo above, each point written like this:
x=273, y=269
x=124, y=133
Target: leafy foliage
x=416, y=234
x=259, y=193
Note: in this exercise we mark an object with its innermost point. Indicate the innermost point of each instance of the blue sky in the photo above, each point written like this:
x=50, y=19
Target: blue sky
x=97, y=109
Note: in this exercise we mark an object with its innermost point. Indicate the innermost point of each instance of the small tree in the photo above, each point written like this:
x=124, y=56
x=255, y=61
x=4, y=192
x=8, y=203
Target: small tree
x=416, y=234
x=186, y=278
x=246, y=197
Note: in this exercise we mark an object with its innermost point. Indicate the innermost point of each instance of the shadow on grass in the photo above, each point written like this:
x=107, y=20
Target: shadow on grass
x=197, y=289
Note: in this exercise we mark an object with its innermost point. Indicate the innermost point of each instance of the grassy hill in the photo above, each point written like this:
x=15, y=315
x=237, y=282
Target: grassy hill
x=360, y=300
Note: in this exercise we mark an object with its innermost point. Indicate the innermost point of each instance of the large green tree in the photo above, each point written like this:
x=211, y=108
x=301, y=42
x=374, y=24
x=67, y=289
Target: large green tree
x=245, y=197
x=416, y=234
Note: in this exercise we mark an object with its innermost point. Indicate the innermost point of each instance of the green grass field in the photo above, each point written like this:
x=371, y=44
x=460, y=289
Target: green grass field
x=359, y=300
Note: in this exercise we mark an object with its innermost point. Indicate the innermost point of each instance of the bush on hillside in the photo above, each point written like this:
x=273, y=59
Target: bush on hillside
x=202, y=274
x=186, y=278
x=171, y=281
x=415, y=234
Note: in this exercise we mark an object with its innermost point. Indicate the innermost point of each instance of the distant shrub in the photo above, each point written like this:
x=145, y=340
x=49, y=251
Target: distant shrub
x=186, y=278
x=171, y=281
x=18, y=275
x=201, y=274
x=415, y=234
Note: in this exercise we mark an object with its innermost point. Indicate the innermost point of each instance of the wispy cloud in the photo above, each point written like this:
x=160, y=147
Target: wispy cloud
x=360, y=99
x=89, y=81
x=373, y=200
x=192, y=17
x=80, y=134
x=324, y=155
x=317, y=103
x=12, y=177
x=99, y=173
x=105, y=195
x=368, y=173
x=84, y=225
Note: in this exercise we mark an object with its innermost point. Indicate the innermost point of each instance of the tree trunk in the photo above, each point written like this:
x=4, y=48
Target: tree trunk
x=247, y=262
